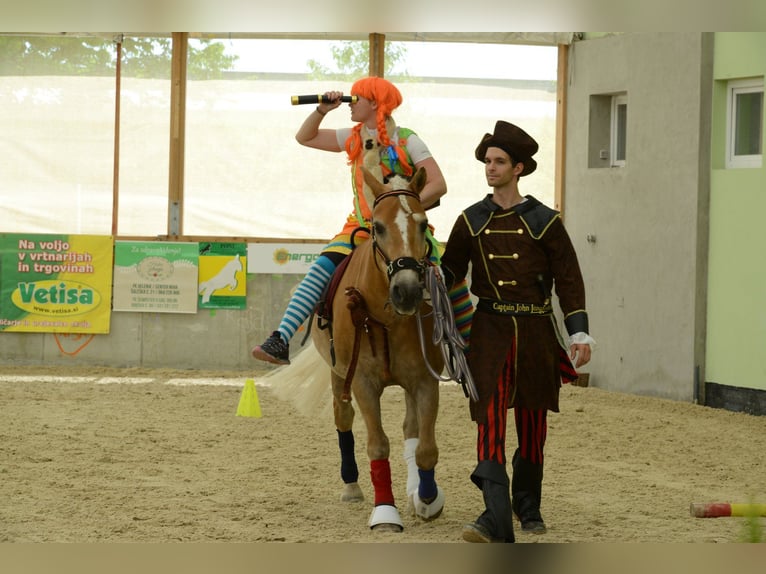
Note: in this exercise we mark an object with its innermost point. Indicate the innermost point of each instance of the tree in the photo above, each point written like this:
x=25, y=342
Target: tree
x=352, y=60
x=97, y=56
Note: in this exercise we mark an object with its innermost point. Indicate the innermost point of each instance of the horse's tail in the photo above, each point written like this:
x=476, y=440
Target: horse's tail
x=305, y=383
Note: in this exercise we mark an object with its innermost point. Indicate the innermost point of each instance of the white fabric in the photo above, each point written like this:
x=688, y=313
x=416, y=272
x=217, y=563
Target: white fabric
x=413, y=478
x=415, y=146
x=581, y=338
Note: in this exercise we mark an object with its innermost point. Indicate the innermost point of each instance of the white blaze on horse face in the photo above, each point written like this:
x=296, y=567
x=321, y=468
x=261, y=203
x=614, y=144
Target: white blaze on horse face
x=401, y=221
x=402, y=224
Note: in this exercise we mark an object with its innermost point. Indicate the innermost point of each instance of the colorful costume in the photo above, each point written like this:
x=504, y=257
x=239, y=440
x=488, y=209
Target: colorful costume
x=517, y=356
x=390, y=150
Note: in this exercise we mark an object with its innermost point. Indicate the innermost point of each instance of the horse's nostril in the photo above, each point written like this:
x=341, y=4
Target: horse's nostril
x=406, y=297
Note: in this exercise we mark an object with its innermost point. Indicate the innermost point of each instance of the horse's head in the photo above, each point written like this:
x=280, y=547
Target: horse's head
x=399, y=225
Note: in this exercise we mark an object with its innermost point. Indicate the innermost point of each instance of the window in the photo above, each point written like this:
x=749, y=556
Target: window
x=244, y=175
x=744, y=142
x=618, y=138
x=608, y=135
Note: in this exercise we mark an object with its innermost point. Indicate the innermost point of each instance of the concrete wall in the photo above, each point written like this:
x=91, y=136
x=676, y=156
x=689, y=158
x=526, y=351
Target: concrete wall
x=205, y=340
x=646, y=271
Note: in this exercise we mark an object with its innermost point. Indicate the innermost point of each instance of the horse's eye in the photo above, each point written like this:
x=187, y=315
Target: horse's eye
x=423, y=226
x=379, y=228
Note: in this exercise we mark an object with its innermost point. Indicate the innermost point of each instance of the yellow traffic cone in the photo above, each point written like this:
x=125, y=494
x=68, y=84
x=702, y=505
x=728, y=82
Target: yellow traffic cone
x=248, y=401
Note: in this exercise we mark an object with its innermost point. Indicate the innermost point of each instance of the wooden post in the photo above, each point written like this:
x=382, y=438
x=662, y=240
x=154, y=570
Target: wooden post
x=561, y=123
x=377, y=55
x=177, y=133
x=116, y=162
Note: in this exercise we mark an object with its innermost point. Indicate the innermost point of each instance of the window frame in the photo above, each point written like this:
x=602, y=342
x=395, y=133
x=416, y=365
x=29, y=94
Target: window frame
x=617, y=132
x=735, y=88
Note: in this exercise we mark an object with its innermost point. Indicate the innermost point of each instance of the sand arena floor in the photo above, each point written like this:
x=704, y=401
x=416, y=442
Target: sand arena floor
x=128, y=455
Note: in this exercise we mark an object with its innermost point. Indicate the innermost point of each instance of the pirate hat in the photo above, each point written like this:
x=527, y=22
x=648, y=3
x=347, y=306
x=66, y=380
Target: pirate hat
x=512, y=140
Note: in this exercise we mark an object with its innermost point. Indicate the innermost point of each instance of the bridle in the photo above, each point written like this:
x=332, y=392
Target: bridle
x=401, y=263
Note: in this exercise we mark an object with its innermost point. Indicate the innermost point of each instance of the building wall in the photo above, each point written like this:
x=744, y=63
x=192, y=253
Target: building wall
x=736, y=301
x=205, y=340
x=645, y=265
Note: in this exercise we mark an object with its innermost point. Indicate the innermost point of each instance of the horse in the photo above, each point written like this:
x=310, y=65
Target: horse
x=226, y=277
x=372, y=342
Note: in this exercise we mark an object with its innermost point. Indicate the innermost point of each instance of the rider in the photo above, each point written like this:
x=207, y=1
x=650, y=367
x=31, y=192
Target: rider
x=400, y=151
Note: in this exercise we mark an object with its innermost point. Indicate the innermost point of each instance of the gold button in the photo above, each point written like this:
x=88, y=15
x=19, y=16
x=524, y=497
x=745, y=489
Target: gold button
x=513, y=282
x=487, y=232
x=500, y=283
x=515, y=255
x=491, y=255
x=520, y=231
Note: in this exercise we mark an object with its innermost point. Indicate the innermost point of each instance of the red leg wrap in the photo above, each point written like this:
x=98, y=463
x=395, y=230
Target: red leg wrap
x=380, y=472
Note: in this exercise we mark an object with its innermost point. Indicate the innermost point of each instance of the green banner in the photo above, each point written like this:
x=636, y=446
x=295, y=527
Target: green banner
x=55, y=283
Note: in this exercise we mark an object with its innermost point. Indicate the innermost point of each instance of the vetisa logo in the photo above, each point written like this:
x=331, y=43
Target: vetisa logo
x=55, y=297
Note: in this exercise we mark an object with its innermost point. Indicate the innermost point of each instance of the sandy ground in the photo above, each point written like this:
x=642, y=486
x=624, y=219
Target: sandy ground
x=128, y=455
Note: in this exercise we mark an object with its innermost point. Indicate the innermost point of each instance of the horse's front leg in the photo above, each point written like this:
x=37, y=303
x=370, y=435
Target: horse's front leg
x=411, y=431
x=344, y=420
x=385, y=516
x=427, y=498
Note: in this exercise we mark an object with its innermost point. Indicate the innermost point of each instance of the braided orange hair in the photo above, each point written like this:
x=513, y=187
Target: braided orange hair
x=388, y=99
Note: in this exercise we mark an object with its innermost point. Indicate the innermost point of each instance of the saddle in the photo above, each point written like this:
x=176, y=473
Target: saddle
x=323, y=308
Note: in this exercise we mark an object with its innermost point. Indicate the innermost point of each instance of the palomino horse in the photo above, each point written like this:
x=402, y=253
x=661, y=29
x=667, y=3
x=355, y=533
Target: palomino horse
x=372, y=342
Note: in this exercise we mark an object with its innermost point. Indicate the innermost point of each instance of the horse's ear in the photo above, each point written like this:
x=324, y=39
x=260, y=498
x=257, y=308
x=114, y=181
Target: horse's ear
x=419, y=180
x=373, y=182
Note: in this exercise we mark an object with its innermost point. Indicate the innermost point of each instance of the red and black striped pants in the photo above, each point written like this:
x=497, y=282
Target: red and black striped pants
x=531, y=425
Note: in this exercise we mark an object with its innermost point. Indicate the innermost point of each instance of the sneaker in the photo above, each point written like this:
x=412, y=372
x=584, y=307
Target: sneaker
x=273, y=350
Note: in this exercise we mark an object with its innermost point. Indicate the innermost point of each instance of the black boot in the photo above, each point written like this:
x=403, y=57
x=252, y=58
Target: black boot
x=526, y=487
x=495, y=524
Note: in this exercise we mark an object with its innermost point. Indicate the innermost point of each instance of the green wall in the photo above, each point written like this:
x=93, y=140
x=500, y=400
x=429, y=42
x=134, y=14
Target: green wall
x=736, y=321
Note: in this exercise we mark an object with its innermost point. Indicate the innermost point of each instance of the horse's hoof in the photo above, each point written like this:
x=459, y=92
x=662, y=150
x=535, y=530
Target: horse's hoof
x=352, y=493
x=431, y=510
x=385, y=518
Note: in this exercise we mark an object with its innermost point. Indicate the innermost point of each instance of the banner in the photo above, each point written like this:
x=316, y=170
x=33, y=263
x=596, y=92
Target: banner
x=282, y=257
x=55, y=283
x=156, y=277
x=222, y=275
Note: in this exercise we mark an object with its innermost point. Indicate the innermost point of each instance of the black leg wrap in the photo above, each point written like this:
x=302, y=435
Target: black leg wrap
x=497, y=518
x=526, y=487
x=349, y=471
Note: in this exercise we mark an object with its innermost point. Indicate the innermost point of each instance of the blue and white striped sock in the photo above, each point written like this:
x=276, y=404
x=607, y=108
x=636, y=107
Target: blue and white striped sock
x=306, y=296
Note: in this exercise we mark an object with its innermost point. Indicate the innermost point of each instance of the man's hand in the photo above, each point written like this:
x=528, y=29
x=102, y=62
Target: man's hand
x=580, y=354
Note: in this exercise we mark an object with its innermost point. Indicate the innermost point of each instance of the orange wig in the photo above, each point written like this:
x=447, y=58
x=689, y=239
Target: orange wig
x=388, y=99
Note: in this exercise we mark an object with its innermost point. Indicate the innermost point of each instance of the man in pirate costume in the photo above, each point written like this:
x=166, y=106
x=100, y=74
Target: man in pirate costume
x=376, y=142
x=518, y=250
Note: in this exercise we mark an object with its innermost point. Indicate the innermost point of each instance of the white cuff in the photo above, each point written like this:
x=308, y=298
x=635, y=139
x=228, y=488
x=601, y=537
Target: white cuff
x=581, y=338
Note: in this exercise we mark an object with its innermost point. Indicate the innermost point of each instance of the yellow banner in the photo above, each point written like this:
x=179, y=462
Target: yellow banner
x=55, y=283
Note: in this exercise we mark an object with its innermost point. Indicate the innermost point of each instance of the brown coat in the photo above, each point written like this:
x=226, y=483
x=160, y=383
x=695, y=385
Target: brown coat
x=517, y=255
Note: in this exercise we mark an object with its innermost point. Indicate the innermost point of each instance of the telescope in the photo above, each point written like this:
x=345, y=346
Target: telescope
x=319, y=99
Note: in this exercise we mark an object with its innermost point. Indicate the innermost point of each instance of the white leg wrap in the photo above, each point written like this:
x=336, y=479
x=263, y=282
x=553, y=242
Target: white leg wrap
x=413, y=478
x=386, y=514
x=432, y=510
